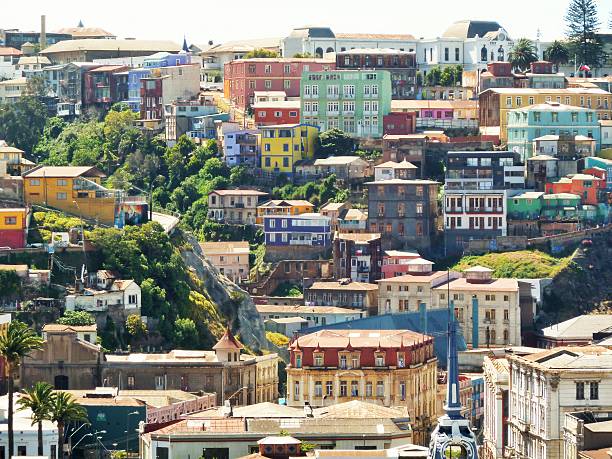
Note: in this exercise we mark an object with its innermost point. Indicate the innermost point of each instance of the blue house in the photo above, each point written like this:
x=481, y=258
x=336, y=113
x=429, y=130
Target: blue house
x=203, y=127
x=310, y=229
x=552, y=118
x=156, y=60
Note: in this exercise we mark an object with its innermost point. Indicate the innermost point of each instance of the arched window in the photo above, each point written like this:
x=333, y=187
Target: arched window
x=500, y=54
x=483, y=54
x=319, y=52
x=329, y=50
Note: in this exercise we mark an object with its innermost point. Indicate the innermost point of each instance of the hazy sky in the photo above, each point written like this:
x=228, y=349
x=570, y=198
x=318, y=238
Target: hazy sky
x=203, y=20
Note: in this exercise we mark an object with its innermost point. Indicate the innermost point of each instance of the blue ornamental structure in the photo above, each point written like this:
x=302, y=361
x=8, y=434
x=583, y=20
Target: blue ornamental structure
x=452, y=437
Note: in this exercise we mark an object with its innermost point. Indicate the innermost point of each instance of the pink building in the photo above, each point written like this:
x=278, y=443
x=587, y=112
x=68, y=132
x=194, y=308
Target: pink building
x=395, y=263
x=245, y=76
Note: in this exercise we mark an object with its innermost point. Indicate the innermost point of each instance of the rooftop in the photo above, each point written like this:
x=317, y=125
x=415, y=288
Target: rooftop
x=375, y=36
x=415, y=104
x=240, y=192
x=397, y=165
x=215, y=248
x=89, y=32
x=273, y=308
x=341, y=285
x=70, y=328
x=286, y=203
x=403, y=182
x=358, y=237
x=93, y=44
x=580, y=327
x=338, y=160
x=495, y=285
x=64, y=171
x=529, y=195
x=355, y=214
x=469, y=29
x=529, y=91
x=378, y=51
x=415, y=278
x=341, y=339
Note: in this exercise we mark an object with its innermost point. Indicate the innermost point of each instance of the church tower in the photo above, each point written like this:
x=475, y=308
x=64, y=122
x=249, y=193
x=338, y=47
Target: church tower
x=453, y=437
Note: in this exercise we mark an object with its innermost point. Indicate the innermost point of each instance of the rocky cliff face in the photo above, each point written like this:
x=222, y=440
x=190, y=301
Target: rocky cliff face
x=234, y=302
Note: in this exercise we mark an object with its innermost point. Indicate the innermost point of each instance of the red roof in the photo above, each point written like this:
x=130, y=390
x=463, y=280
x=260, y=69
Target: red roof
x=8, y=51
x=342, y=339
x=228, y=341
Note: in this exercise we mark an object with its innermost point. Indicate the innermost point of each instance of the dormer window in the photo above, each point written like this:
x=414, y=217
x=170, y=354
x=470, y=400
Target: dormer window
x=318, y=359
x=343, y=360
x=298, y=360
x=354, y=361
x=401, y=360
x=379, y=359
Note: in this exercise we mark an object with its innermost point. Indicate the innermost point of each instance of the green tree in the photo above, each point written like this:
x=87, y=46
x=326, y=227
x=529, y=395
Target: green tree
x=76, y=318
x=522, y=55
x=432, y=78
x=10, y=284
x=65, y=409
x=135, y=326
x=22, y=123
x=185, y=332
x=16, y=342
x=582, y=25
x=39, y=400
x=557, y=53
x=335, y=142
x=302, y=55
x=260, y=52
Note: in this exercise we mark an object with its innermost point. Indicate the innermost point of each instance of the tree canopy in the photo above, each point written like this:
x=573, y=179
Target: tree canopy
x=522, y=55
x=582, y=23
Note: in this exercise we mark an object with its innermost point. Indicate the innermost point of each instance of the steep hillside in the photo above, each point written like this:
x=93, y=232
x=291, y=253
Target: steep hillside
x=524, y=264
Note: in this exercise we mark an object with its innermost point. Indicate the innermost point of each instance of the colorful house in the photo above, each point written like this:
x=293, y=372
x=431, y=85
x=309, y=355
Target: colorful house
x=602, y=163
x=310, y=229
x=14, y=224
x=355, y=101
x=77, y=190
x=525, y=206
x=283, y=207
x=277, y=112
x=395, y=262
x=283, y=145
x=551, y=118
x=241, y=147
x=559, y=206
x=589, y=185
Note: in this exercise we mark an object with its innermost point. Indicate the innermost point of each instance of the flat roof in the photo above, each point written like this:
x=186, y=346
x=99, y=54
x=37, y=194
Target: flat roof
x=335, y=285
x=495, y=285
x=299, y=309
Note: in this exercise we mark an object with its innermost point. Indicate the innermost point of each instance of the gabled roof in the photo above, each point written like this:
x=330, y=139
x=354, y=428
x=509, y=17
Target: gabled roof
x=397, y=165
x=355, y=214
x=228, y=341
x=8, y=51
x=469, y=29
x=338, y=161
x=286, y=203
x=359, y=338
x=358, y=237
x=64, y=171
x=69, y=328
x=580, y=327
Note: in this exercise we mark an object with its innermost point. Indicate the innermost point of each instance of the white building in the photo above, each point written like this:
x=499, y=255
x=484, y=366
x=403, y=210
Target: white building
x=495, y=431
x=12, y=90
x=107, y=292
x=314, y=315
x=26, y=434
x=544, y=387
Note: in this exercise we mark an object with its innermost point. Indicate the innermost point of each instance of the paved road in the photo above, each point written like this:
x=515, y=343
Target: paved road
x=169, y=222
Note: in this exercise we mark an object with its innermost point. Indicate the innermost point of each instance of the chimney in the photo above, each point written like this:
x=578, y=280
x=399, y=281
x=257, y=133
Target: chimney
x=43, y=32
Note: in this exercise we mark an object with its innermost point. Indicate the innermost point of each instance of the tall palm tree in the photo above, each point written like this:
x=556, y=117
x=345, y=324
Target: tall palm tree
x=39, y=400
x=523, y=54
x=557, y=53
x=16, y=342
x=65, y=409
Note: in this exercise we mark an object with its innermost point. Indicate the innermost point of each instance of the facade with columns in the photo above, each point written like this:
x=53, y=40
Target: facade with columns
x=386, y=367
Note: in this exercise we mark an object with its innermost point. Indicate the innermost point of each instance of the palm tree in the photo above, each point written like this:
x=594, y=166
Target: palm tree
x=523, y=54
x=557, y=53
x=39, y=400
x=16, y=342
x=65, y=409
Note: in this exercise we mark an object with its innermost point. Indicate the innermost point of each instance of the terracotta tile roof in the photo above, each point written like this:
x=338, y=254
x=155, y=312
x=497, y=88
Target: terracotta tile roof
x=340, y=339
x=228, y=341
x=8, y=51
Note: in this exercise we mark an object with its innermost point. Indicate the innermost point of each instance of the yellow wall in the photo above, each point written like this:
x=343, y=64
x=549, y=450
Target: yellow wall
x=58, y=193
x=293, y=210
x=274, y=148
x=509, y=102
x=20, y=216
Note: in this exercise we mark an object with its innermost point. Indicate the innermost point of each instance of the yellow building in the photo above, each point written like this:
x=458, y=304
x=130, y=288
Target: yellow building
x=285, y=144
x=283, y=207
x=75, y=190
x=14, y=224
x=391, y=368
x=496, y=103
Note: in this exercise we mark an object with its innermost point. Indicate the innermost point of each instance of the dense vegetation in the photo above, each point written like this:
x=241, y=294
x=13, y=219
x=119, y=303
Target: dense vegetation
x=522, y=264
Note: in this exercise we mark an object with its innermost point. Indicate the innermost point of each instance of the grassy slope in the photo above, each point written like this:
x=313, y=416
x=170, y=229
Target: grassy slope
x=523, y=264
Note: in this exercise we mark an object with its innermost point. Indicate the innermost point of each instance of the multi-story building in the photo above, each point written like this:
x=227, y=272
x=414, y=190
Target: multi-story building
x=414, y=290
x=283, y=145
x=488, y=310
x=18, y=38
x=602, y=163
x=395, y=170
x=241, y=147
x=245, y=76
x=180, y=116
x=528, y=123
x=541, y=169
x=354, y=101
x=494, y=104
x=590, y=186
x=496, y=407
x=77, y=190
x=307, y=229
x=357, y=256
x=523, y=213
x=314, y=315
x=12, y=90
x=385, y=367
x=165, y=85
x=65, y=83
x=14, y=223
x=395, y=262
x=404, y=212
x=8, y=58
x=546, y=386
x=587, y=434
x=475, y=195
x=567, y=147
x=283, y=207
x=400, y=64
x=230, y=258
x=12, y=161
x=577, y=331
x=409, y=148
x=345, y=294
x=237, y=206
x=399, y=123
x=540, y=76
x=353, y=221
x=440, y=114
x=334, y=210
x=276, y=112
x=104, y=85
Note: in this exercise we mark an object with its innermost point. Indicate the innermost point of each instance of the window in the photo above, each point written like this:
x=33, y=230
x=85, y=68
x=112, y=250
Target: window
x=380, y=389
x=130, y=382
x=594, y=391
x=62, y=182
x=343, y=389
x=21, y=451
x=287, y=68
x=354, y=389
x=296, y=390
x=268, y=84
x=402, y=390
x=456, y=54
x=318, y=360
x=287, y=84
x=343, y=362
x=298, y=361
x=419, y=208
x=579, y=391
x=329, y=388
x=446, y=54
x=368, y=389
x=61, y=196
x=10, y=220
x=132, y=299
x=34, y=182
x=354, y=361
x=380, y=360
x=268, y=68
x=318, y=389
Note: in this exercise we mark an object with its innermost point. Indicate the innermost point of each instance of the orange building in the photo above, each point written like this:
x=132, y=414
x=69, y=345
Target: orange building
x=14, y=224
x=589, y=185
x=284, y=207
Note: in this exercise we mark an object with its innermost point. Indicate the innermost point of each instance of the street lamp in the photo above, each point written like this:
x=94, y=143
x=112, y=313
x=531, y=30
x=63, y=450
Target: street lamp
x=127, y=431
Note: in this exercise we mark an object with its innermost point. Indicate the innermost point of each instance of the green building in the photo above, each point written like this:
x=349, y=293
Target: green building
x=525, y=206
x=560, y=206
x=354, y=101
